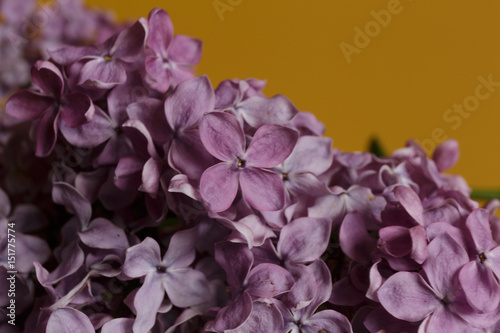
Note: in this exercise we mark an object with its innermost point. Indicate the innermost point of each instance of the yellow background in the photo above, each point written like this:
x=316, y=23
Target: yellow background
x=427, y=59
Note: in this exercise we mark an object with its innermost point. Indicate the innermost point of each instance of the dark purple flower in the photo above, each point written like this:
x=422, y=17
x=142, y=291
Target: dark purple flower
x=51, y=106
x=245, y=281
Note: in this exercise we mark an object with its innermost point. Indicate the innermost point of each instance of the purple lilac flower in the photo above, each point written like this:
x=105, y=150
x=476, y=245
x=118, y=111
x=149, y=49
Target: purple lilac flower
x=171, y=56
x=224, y=138
x=52, y=105
x=104, y=66
x=184, y=286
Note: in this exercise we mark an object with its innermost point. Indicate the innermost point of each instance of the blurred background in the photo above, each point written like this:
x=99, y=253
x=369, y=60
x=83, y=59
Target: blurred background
x=395, y=70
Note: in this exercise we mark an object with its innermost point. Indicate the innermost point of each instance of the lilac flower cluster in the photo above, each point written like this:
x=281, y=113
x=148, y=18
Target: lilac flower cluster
x=29, y=27
x=147, y=201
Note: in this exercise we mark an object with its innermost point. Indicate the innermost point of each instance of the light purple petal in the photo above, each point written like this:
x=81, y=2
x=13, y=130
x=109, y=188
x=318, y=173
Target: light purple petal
x=91, y=134
x=227, y=94
x=147, y=301
x=186, y=287
x=304, y=289
x=252, y=230
x=102, y=74
x=157, y=75
x=324, y=286
x=304, y=239
x=268, y=281
x=235, y=314
x=236, y=260
x=479, y=227
x=493, y=261
x=419, y=244
x=185, y=50
x=262, y=189
x=65, y=320
x=188, y=155
x=406, y=296
x=72, y=258
x=411, y=202
x=265, y=317
x=354, y=238
x=222, y=136
x=28, y=105
x=395, y=240
x=311, y=154
x=118, y=325
x=446, y=257
x=151, y=176
x=443, y=320
x=160, y=31
x=480, y=287
x=307, y=124
x=190, y=100
x=270, y=146
x=446, y=155
x=219, y=186
x=66, y=55
x=129, y=44
x=181, y=250
x=329, y=321
x=103, y=234
x=299, y=184
x=142, y=258
x=258, y=111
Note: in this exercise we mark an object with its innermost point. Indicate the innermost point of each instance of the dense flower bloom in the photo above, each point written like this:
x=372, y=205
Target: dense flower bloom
x=262, y=225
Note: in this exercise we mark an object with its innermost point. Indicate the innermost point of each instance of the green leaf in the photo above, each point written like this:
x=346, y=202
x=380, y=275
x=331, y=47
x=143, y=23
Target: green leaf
x=485, y=194
x=376, y=148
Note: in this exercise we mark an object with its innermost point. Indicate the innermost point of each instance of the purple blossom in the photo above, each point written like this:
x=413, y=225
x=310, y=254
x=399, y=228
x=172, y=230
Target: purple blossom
x=263, y=189
x=51, y=106
x=104, y=66
x=245, y=282
x=184, y=286
x=172, y=56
